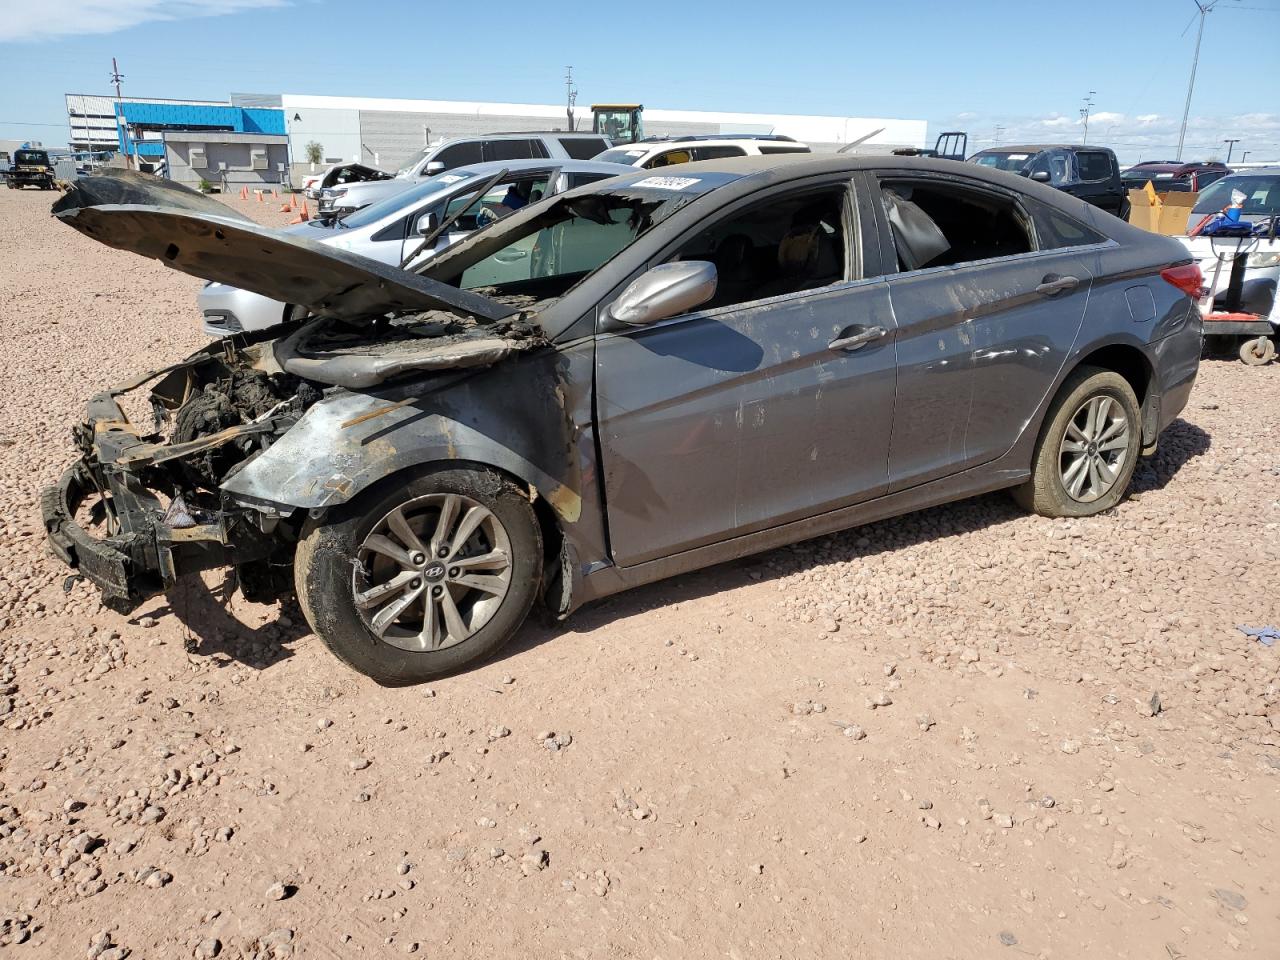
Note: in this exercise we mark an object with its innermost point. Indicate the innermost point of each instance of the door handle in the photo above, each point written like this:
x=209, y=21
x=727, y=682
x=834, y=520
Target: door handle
x=512, y=257
x=857, y=340
x=1053, y=284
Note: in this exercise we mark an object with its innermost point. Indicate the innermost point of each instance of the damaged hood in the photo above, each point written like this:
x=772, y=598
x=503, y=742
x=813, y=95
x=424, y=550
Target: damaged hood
x=196, y=234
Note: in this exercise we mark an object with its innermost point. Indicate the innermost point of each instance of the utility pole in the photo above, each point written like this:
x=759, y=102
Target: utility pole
x=1084, y=114
x=570, y=95
x=1231, y=144
x=998, y=134
x=1204, y=9
x=116, y=77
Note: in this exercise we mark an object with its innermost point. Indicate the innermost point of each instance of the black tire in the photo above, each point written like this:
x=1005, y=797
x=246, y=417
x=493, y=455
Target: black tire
x=1046, y=493
x=326, y=568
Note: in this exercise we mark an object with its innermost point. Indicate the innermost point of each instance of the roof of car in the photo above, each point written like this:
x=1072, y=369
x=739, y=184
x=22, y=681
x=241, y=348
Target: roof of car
x=1037, y=147
x=1171, y=166
x=543, y=163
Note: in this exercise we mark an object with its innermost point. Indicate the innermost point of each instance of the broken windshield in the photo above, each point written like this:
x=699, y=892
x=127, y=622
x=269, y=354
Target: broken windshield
x=570, y=238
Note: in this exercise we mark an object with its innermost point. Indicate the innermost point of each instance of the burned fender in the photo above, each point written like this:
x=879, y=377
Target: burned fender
x=511, y=416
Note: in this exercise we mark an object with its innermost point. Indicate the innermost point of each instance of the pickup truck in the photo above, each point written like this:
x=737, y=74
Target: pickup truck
x=31, y=168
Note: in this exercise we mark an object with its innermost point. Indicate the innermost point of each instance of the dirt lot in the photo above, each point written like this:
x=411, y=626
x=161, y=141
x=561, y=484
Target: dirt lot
x=957, y=734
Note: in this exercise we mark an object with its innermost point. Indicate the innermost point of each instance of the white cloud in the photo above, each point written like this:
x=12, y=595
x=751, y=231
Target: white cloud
x=1145, y=136
x=58, y=18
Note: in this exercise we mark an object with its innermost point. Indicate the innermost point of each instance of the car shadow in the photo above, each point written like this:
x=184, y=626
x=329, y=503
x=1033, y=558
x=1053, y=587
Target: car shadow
x=1180, y=443
x=212, y=631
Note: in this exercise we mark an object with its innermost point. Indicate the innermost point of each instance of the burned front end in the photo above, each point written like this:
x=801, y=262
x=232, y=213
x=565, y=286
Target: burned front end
x=141, y=506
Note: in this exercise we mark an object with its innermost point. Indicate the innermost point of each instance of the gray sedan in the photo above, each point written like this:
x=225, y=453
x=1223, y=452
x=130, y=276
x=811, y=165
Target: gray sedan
x=413, y=224
x=688, y=368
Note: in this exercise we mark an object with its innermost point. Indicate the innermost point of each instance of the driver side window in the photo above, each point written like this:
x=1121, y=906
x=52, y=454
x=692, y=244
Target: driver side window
x=775, y=247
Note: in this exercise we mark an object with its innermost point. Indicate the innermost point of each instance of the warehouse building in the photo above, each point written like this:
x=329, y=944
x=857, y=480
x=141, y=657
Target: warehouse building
x=388, y=133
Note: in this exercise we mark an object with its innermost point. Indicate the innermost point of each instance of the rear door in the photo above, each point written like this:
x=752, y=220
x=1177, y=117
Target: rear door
x=986, y=313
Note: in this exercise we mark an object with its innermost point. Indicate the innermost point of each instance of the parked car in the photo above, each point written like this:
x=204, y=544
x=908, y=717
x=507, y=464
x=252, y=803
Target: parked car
x=1172, y=176
x=31, y=168
x=340, y=201
x=339, y=174
x=1090, y=173
x=436, y=212
x=665, y=151
x=691, y=368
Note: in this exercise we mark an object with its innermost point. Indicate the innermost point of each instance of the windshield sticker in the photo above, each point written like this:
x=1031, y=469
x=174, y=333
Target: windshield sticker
x=635, y=153
x=1019, y=156
x=667, y=183
x=451, y=178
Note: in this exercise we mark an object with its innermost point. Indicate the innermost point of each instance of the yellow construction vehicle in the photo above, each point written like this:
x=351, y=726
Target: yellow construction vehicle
x=620, y=122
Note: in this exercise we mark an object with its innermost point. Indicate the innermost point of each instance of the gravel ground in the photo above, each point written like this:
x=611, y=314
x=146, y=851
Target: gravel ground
x=952, y=734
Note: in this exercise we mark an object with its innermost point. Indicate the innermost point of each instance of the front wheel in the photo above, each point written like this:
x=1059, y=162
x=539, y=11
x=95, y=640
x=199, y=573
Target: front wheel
x=1087, y=449
x=415, y=579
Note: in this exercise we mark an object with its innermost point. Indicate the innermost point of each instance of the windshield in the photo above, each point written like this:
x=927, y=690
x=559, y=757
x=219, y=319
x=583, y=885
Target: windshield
x=1261, y=191
x=1013, y=162
x=413, y=162
x=400, y=202
x=570, y=239
x=620, y=155
x=31, y=156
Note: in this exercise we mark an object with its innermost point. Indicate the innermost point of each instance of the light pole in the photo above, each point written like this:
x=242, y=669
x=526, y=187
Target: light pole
x=1084, y=114
x=1231, y=146
x=999, y=133
x=1244, y=155
x=1204, y=9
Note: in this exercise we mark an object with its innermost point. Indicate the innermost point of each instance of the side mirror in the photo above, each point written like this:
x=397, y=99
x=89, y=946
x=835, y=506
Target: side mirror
x=427, y=223
x=665, y=291
x=432, y=168
x=1040, y=176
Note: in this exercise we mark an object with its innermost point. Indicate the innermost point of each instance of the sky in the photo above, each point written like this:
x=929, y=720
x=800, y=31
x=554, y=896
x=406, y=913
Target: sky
x=1012, y=71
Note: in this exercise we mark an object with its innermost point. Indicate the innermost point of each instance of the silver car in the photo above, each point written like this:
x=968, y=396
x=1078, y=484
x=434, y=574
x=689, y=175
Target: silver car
x=410, y=226
x=341, y=201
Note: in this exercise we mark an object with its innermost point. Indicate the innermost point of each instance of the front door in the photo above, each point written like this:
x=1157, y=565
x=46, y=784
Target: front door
x=772, y=402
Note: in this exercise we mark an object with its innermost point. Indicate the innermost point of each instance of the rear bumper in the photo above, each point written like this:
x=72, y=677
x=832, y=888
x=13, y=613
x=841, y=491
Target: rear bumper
x=148, y=546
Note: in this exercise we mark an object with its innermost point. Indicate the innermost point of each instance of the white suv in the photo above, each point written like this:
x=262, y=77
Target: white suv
x=665, y=151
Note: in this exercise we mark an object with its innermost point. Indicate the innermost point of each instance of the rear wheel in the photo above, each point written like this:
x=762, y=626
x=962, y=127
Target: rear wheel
x=1258, y=351
x=416, y=579
x=1087, y=449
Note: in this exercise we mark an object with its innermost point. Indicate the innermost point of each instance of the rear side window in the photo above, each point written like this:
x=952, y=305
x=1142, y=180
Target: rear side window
x=460, y=154
x=1094, y=165
x=583, y=148
x=1057, y=230
x=939, y=224
x=582, y=179
x=717, y=152
x=514, y=150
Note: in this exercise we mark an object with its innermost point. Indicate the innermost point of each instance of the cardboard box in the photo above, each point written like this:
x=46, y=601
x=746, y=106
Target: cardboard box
x=1164, y=213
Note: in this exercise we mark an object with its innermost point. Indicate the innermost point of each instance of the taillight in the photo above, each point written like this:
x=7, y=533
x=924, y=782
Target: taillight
x=1186, y=278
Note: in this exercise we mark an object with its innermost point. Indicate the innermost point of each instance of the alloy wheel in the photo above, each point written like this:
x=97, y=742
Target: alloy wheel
x=1094, y=449
x=432, y=572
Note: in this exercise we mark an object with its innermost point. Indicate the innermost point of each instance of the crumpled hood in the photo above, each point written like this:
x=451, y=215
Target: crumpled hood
x=196, y=234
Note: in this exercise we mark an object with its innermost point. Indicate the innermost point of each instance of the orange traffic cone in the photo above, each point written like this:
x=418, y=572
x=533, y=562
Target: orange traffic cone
x=275, y=194
x=244, y=193
x=259, y=195
x=286, y=208
x=303, y=212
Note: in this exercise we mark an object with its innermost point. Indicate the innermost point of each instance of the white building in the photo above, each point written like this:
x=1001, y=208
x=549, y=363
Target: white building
x=387, y=132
